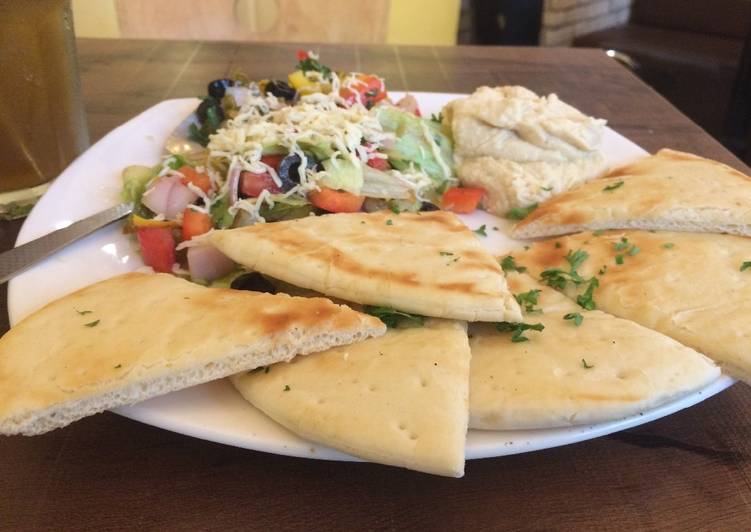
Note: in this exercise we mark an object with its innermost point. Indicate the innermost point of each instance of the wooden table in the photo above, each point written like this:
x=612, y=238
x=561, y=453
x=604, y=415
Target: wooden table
x=689, y=471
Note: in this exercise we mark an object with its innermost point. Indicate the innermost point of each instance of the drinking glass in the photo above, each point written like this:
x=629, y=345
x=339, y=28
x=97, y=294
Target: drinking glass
x=42, y=120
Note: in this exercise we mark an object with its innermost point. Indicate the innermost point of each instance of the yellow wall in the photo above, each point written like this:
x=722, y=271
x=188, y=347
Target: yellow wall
x=423, y=22
x=431, y=22
x=95, y=18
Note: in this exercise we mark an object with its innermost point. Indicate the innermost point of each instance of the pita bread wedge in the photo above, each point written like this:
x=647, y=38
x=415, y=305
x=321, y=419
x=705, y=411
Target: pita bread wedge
x=138, y=335
x=686, y=285
x=605, y=369
x=668, y=191
x=400, y=399
x=425, y=263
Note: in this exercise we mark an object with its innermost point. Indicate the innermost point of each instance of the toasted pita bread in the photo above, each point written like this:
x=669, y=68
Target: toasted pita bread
x=686, y=285
x=668, y=191
x=138, y=335
x=425, y=263
x=400, y=399
x=605, y=369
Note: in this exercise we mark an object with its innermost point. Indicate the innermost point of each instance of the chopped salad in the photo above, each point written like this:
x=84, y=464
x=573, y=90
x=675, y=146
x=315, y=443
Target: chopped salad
x=270, y=150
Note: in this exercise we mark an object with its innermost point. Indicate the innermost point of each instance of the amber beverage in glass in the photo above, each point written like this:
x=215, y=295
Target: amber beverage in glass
x=42, y=120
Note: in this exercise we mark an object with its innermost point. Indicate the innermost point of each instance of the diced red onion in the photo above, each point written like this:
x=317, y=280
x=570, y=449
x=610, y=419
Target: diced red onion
x=168, y=197
x=208, y=263
x=179, y=198
x=233, y=183
x=409, y=104
x=157, y=196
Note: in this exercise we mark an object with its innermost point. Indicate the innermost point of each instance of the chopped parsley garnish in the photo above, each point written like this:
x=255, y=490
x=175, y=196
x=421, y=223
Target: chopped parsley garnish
x=614, y=186
x=480, y=231
x=389, y=222
x=603, y=270
x=585, y=365
x=445, y=253
x=575, y=259
x=628, y=247
x=437, y=117
x=394, y=208
x=547, y=189
x=118, y=366
x=92, y=323
x=668, y=245
x=517, y=329
x=309, y=63
x=391, y=318
x=519, y=213
x=746, y=265
x=557, y=278
x=554, y=277
x=558, y=245
x=83, y=312
x=509, y=265
x=623, y=244
x=598, y=232
x=585, y=300
x=528, y=300
x=576, y=316
x=287, y=388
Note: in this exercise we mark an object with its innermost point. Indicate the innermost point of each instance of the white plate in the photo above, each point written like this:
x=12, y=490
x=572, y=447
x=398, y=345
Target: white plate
x=214, y=411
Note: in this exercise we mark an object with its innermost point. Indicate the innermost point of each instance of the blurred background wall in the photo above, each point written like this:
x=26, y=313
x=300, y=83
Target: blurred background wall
x=346, y=21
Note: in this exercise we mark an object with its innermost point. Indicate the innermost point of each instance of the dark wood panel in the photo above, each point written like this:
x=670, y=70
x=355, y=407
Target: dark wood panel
x=689, y=471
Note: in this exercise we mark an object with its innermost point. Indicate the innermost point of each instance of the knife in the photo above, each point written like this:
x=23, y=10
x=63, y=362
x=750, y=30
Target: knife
x=18, y=259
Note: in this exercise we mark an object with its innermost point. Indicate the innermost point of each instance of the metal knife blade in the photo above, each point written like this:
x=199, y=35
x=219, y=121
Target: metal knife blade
x=18, y=259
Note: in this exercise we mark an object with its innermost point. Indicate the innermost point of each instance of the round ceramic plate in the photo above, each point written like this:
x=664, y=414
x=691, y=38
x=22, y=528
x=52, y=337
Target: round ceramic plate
x=214, y=411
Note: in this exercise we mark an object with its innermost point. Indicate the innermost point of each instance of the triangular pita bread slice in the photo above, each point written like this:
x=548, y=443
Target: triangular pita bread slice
x=140, y=335
x=667, y=191
x=687, y=285
x=605, y=369
x=425, y=263
x=401, y=399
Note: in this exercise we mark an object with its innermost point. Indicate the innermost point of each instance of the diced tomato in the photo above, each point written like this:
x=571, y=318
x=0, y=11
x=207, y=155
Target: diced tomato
x=302, y=55
x=198, y=179
x=272, y=160
x=348, y=95
x=370, y=88
x=461, y=200
x=336, y=200
x=195, y=223
x=252, y=184
x=379, y=163
x=157, y=247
